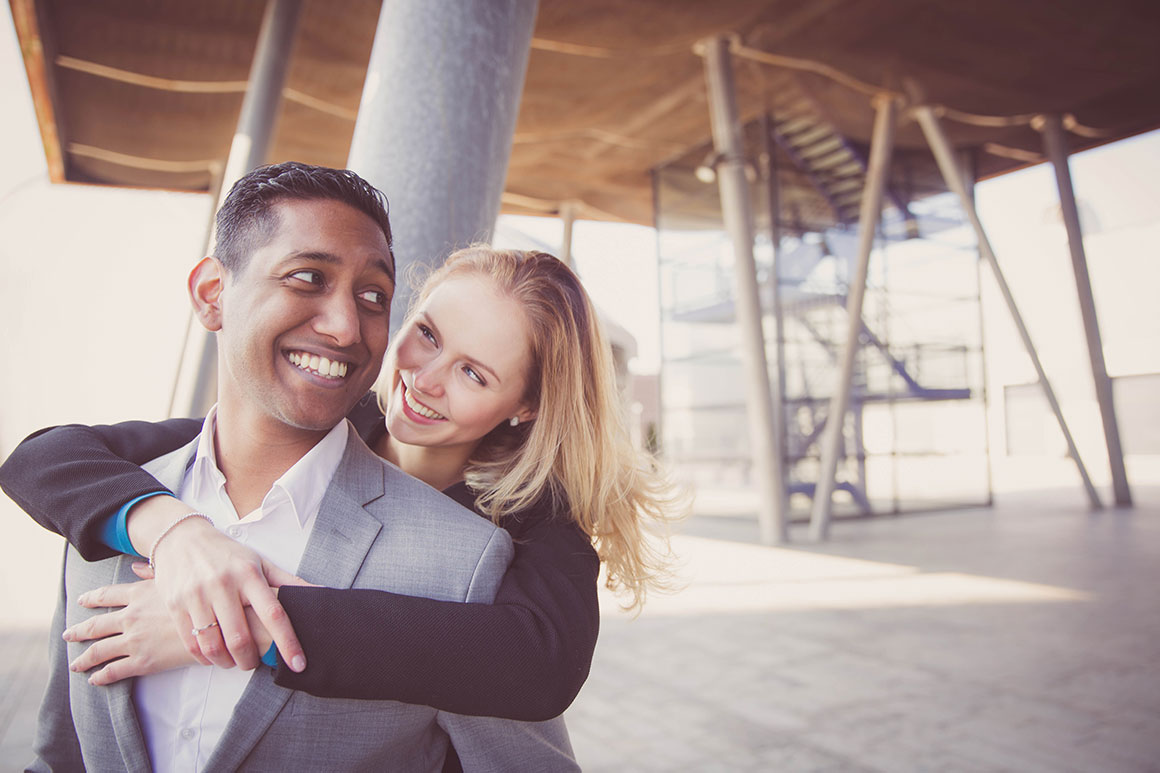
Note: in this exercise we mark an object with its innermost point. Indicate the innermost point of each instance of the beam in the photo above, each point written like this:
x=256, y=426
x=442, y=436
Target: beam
x=1055, y=143
x=38, y=51
x=736, y=210
x=833, y=446
x=248, y=150
x=945, y=157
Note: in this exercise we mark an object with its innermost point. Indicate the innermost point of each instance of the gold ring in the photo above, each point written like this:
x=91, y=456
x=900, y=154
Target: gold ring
x=198, y=629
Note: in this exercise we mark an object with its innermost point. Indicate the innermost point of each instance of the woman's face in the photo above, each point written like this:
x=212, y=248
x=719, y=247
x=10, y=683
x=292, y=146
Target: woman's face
x=458, y=367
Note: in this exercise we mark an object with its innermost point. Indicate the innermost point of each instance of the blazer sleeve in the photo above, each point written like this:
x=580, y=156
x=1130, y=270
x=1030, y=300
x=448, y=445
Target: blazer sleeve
x=491, y=744
x=71, y=479
x=524, y=657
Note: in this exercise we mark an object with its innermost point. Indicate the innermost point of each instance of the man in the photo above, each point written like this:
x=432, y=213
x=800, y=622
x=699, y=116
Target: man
x=299, y=293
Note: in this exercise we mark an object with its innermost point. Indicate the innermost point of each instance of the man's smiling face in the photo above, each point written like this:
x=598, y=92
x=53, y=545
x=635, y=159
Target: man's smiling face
x=304, y=324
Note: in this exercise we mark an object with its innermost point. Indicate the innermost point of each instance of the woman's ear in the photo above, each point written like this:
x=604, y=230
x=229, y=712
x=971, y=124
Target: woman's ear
x=526, y=414
x=205, y=291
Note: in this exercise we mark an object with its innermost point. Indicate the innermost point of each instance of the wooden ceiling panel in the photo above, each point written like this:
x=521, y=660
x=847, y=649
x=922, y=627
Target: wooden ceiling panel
x=613, y=89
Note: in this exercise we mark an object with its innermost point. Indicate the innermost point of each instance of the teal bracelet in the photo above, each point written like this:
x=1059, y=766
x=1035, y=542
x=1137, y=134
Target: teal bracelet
x=115, y=530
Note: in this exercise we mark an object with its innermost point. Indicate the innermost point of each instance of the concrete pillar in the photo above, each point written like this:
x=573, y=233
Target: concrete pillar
x=736, y=210
x=833, y=442
x=435, y=125
x=250, y=145
x=1055, y=143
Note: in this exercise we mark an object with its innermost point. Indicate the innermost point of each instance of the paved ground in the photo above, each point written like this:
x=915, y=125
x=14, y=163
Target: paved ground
x=1018, y=638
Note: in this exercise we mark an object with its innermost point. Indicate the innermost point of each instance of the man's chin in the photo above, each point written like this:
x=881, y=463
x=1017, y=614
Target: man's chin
x=315, y=418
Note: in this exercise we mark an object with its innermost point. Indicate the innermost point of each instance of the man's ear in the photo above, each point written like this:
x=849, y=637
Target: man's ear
x=206, y=282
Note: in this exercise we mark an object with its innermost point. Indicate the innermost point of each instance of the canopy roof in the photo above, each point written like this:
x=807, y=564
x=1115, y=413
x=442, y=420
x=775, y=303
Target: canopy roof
x=147, y=92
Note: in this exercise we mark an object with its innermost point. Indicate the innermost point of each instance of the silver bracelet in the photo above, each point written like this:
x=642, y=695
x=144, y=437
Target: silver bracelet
x=170, y=528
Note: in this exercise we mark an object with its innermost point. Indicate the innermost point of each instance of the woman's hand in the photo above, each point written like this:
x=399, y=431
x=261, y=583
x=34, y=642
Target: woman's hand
x=203, y=576
x=138, y=638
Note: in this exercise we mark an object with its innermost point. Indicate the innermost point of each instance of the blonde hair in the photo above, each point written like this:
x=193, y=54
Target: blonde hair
x=576, y=453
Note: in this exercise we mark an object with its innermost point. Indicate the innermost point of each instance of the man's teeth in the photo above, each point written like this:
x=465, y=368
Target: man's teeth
x=319, y=365
x=419, y=408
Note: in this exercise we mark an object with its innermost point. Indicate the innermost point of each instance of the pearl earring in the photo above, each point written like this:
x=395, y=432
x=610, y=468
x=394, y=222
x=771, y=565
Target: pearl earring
x=515, y=420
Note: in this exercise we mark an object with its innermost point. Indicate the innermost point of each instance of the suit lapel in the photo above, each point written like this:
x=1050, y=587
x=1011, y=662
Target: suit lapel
x=344, y=531
x=342, y=535
x=119, y=697
x=169, y=471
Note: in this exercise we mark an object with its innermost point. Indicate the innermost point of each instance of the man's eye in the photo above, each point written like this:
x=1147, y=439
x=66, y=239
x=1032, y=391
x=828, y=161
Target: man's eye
x=375, y=297
x=471, y=374
x=308, y=276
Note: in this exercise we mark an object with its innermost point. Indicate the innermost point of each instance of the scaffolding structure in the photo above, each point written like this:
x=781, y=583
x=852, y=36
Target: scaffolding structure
x=915, y=435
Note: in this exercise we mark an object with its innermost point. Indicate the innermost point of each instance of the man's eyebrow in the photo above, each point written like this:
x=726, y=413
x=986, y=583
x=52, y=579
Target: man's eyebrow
x=319, y=256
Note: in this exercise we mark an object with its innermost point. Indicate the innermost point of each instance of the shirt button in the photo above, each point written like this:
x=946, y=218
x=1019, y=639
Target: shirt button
x=188, y=733
x=234, y=531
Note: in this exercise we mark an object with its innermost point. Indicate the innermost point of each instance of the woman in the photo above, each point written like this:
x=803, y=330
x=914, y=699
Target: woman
x=528, y=434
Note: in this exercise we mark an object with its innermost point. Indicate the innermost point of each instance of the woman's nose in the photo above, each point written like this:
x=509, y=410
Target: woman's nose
x=429, y=378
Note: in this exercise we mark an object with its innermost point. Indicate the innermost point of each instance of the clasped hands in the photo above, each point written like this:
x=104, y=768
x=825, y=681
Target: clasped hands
x=202, y=577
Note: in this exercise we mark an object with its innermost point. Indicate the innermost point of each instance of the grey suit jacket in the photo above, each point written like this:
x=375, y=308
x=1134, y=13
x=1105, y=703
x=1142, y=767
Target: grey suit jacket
x=376, y=528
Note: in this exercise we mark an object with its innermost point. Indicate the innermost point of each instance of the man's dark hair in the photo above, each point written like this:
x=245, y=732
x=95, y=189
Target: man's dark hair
x=247, y=220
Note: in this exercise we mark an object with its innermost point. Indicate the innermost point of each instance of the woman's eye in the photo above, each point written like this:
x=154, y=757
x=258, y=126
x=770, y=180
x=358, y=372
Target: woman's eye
x=308, y=276
x=375, y=297
x=471, y=374
x=426, y=333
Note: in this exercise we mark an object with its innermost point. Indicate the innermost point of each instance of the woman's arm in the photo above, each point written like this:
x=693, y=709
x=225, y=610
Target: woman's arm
x=72, y=479
x=524, y=657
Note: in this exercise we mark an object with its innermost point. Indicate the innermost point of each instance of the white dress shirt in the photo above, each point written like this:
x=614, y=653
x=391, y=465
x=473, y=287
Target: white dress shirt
x=184, y=712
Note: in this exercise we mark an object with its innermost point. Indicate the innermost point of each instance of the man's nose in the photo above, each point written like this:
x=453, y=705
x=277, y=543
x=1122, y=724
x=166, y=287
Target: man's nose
x=338, y=319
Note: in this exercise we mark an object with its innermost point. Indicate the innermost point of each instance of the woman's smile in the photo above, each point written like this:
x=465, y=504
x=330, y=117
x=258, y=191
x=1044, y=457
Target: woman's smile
x=416, y=409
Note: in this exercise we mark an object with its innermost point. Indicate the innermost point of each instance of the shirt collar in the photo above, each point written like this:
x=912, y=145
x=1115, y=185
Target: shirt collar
x=302, y=486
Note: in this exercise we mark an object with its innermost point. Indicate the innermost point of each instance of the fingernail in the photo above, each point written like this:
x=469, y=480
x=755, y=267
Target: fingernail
x=81, y=598
x=298, y=664
x=139, y=565
x=67, y=636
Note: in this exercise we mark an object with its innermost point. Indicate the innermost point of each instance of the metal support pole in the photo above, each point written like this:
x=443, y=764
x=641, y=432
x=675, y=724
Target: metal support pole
x=777, y=383
x=249, y=148
x=881, y=147
x=736, y=211
x=968, y=171
x=1055, y=143
x=436, y=121
x=944, y=155
x=568, y=215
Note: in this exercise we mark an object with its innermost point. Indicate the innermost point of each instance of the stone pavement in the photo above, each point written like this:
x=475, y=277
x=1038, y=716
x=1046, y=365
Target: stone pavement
x=1023, y=637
